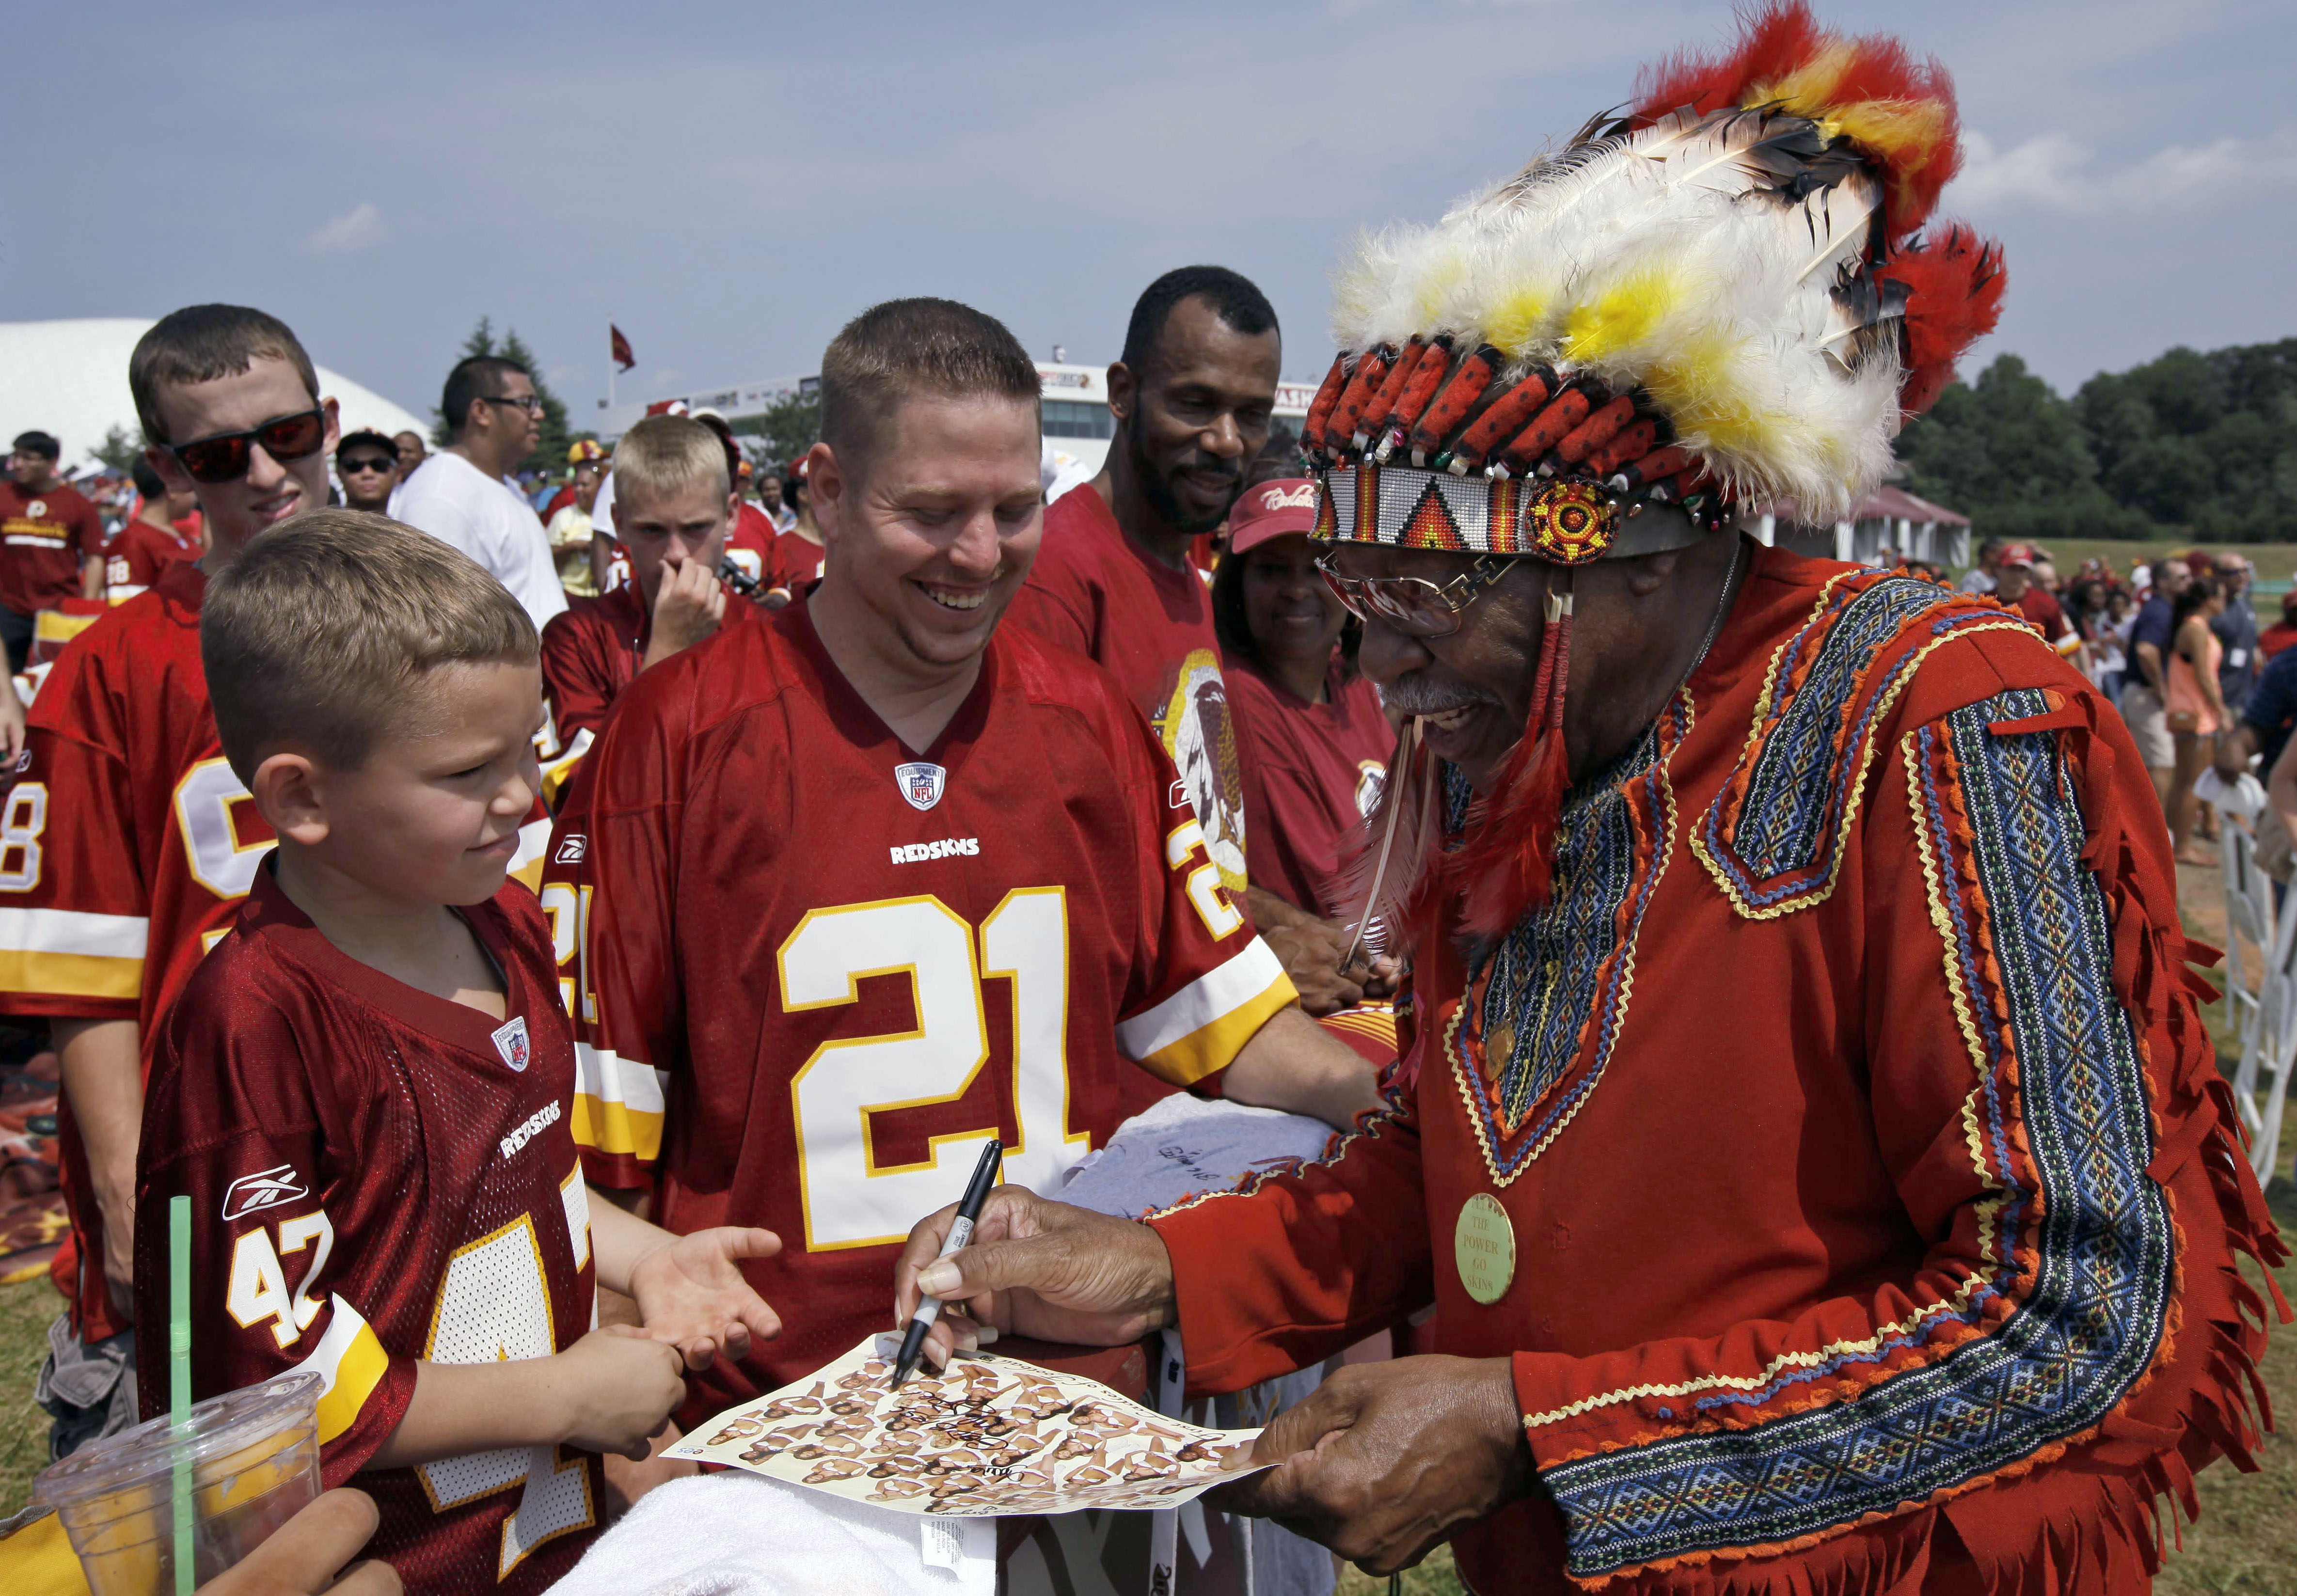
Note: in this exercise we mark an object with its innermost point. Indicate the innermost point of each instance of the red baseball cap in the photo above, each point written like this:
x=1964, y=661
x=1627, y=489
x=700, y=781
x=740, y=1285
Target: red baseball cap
x=2018, y=554
x=1268, y=510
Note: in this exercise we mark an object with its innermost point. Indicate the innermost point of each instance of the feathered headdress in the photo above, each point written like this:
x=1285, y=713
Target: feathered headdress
x=1723, y=296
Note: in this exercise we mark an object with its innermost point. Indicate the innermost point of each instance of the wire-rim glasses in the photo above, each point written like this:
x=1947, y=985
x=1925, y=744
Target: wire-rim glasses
x=1412, y=605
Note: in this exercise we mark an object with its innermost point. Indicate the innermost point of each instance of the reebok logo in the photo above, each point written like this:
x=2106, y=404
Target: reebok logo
x=536, y=1124
x=571, y=849
x=266, y=1189
x=918, y=854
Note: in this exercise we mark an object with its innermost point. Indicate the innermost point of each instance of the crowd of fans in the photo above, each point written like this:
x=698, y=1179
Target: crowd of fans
x=1187, y=571
x=2175, y=643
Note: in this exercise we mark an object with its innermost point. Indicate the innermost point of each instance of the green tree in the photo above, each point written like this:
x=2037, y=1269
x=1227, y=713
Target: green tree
x=120, y=448
x=550, y=451
x=2013, y=457
x=790, y=426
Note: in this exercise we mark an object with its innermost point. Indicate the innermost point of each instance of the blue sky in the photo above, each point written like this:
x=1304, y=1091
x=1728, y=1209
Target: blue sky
x=730, y=182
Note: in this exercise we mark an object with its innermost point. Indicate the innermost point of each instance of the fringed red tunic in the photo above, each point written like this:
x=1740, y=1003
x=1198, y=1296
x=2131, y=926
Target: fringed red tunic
x=1874, y=1193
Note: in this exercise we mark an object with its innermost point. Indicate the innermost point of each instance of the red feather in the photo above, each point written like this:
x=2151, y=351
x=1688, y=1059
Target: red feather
x=1781, y=38
x=1954, y=298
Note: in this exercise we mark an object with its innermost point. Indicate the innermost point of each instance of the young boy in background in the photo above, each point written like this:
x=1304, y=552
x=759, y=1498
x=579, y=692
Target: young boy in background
x=676, y=506
x=363, y=1089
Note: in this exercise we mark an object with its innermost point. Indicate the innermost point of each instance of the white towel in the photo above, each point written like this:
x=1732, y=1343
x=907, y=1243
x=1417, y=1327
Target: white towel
x=742, y=1535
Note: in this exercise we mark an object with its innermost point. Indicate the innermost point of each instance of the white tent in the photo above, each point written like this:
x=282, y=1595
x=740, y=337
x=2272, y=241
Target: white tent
x=70, y=379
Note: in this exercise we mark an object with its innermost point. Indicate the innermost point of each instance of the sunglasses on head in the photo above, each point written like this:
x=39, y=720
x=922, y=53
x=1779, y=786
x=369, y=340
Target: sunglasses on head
x=224, y=457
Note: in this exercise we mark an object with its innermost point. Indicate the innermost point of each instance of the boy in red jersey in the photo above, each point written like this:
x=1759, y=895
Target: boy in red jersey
x=673, y=508
x=362, y=1089
x=127, y=838
x=856, y=889
x=152, y=541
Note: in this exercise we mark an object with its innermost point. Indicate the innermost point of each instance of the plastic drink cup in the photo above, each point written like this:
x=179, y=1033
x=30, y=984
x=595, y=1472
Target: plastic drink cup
x=254, y=1461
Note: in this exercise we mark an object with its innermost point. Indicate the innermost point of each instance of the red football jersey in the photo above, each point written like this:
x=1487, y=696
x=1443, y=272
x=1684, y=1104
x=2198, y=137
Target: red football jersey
x=1312, y=773
x=839, y=967
x=591, y=652
x=138, y=552
x=750, y=544
x=797, y=562
x=125, y=844
x=43, y=536
x=1091, y=592
x=379, y=1176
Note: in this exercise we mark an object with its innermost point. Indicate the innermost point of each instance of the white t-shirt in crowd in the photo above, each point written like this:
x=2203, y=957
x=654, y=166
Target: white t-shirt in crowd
x=456, y=503
x=602, y=508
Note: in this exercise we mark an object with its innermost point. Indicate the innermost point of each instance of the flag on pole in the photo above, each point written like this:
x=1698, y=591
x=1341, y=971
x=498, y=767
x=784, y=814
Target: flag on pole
x=622, y=356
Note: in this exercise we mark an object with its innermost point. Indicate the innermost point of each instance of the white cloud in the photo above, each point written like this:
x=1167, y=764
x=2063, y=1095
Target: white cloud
x=2057, y=171
x=360, y=228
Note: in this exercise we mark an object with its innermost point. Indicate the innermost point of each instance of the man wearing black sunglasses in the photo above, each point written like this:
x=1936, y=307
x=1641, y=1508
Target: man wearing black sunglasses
x=134, y=842
x=459, y=495
x=367, y=465
x=53, y=546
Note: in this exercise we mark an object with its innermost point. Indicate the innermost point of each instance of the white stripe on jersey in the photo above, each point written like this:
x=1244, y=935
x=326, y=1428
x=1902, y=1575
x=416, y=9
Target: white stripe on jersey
x=605, y=1075
x=1210, y=998
x=71, y=930
x=533, y=843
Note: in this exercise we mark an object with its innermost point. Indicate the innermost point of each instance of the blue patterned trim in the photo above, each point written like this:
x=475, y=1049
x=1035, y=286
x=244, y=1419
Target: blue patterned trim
x=1773, y=835
x=2089, y=1318
x=1566, y=971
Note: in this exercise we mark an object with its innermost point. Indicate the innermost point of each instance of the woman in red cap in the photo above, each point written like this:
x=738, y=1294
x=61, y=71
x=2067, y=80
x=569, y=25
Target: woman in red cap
x=1313, y=739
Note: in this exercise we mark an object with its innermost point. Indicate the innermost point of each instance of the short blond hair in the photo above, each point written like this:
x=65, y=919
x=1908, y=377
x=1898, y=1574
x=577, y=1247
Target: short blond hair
x=317, y=637
x=665, y=454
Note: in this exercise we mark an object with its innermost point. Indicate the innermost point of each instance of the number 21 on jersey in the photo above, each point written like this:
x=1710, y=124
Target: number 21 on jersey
x=850, y=1199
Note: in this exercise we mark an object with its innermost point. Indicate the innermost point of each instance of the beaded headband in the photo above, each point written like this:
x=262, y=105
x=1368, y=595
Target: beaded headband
x=1533, y=464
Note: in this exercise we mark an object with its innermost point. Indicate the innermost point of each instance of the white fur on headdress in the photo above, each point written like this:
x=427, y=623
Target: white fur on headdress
x=1719, y=263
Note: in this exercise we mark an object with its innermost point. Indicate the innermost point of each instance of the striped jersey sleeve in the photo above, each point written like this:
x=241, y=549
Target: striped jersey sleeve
x=1205, y=981
x=75, y=911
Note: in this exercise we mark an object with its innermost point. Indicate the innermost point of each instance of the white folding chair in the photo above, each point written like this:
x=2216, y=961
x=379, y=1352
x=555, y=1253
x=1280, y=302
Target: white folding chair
x=2249, y=914
x=2269, y=1072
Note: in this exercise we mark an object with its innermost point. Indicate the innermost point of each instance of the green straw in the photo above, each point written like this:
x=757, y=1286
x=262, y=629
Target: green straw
x=180, y=1377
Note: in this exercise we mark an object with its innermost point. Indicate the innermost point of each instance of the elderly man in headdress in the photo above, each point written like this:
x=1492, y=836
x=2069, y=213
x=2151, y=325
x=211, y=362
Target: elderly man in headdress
x=1809, y=1140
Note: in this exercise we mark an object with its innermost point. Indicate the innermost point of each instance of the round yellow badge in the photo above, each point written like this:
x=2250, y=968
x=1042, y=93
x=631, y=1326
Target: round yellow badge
x=1483, y=1248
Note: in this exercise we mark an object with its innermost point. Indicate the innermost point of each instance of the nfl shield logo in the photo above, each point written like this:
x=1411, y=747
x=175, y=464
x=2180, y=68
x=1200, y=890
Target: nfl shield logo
x=920, y=782
x=510, y=1041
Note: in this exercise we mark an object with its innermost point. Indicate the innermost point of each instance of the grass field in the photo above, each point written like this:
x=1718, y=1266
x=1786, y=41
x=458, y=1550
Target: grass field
x=2275, y=563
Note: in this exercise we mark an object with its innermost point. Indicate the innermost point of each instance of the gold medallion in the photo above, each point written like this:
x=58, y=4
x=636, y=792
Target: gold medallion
x=1483, y=1246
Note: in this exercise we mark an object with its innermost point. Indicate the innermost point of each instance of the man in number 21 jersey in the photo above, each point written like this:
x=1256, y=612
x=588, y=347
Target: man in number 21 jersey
x=844, y=895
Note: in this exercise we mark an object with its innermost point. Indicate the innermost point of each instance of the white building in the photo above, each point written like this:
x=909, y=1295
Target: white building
x=1078, y=426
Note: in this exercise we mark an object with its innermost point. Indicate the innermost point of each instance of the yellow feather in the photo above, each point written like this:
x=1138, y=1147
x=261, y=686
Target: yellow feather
x=1808, y=91
x=1697, y=391
x=1907, y=132
x=1623, y=316
x=1514, y=323
x=1436, y=291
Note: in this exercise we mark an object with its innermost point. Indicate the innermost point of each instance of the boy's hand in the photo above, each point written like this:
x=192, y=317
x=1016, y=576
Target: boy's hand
x=691, y=1294
x=687, y=607
x=619, y=1388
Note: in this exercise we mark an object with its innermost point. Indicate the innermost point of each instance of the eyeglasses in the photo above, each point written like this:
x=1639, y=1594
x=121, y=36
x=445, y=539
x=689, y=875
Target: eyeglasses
x=531, y=403
x=368, y=463
x=1412, y=605
x=224, y=457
